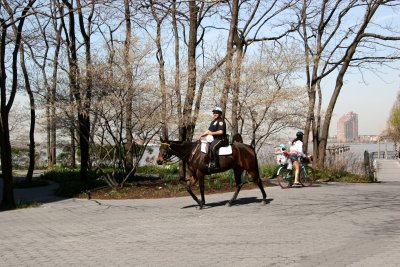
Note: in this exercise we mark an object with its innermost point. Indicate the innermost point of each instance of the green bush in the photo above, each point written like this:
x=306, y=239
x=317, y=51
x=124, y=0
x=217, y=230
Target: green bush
x=157, y=169
x=268, y=170
x=334, y=175
x=70, y=183
x=28, y=205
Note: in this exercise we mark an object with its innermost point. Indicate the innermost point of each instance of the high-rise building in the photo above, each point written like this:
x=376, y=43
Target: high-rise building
x=347, y=128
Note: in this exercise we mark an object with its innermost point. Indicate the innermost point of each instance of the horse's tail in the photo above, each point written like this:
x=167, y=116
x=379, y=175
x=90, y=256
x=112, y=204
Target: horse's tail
x=257, y=166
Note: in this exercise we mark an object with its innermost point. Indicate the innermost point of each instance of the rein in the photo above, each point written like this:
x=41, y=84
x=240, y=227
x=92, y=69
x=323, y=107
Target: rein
x=194, y=151
x=191, y=151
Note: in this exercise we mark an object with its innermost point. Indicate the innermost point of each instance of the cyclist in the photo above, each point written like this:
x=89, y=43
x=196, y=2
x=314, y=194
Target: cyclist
x=296, y=151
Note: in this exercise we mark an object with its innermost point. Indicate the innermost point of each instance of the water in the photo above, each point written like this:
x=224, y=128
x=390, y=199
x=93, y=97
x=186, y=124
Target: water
x=359, y=149
x=266, y=154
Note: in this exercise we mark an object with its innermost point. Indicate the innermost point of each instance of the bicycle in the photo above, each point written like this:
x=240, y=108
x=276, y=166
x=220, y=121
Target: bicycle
x=285, y=173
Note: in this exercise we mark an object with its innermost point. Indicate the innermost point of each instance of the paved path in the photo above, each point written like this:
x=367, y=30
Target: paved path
x=42, y=194
x=354, y=225
x=388, y=170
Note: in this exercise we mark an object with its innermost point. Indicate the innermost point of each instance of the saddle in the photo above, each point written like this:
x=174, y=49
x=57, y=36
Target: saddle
x=223, y=151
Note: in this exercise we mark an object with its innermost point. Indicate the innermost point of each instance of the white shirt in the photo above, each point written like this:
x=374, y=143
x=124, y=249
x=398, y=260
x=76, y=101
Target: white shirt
x=297, y=148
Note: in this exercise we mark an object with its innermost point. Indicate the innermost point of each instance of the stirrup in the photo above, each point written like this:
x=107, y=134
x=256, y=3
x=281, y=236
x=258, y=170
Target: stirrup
x=213, y=166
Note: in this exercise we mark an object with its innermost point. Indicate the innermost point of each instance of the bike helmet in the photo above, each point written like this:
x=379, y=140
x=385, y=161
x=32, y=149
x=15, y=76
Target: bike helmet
x=299, y=134
x=217, y=110
x=282, y=146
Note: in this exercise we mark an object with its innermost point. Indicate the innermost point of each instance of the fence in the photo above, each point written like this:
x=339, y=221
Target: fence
x=385, y=155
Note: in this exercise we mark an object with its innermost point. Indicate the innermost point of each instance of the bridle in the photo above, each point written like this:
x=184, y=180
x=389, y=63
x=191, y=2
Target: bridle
x=166, y=154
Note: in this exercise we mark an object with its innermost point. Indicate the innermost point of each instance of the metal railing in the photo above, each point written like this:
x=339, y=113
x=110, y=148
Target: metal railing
x=384, y=155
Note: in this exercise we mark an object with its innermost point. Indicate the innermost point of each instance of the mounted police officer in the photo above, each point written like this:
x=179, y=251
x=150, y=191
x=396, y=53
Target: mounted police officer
x=218, y=130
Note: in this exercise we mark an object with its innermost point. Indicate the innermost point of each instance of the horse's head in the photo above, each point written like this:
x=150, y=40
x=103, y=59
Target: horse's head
x=165, y=151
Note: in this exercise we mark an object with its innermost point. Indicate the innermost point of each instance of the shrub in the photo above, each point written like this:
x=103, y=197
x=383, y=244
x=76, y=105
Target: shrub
x=70, y=183
x=268, y=170
x=337, y=175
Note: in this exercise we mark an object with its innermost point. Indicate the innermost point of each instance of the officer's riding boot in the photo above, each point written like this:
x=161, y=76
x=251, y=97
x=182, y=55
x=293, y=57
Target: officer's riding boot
x=215, y=164
x=210, y=160
x=216, y=159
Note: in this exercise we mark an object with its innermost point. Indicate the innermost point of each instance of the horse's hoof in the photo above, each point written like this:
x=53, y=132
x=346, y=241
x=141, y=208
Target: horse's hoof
x=263, y=202
x=228, y=204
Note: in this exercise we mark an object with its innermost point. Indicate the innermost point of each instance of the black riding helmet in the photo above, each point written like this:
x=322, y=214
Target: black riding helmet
x=300, y=134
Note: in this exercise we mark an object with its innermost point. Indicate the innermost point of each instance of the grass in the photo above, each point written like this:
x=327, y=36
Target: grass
x=167, y=177
x=333, y=175
x=28, y=205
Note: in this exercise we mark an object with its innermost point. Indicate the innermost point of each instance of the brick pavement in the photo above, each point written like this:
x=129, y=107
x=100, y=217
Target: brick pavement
x=326, y=225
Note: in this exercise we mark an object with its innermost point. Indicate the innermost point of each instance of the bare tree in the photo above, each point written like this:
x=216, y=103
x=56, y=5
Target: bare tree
x=332, y=46
x=82, y=90
x=271, y=76
x=394, y=123
x=159, y=16
x=7, y=20
x=249, y=20
x=40, y=47
x=73, y=72
x=109, y=102
x=32, y=106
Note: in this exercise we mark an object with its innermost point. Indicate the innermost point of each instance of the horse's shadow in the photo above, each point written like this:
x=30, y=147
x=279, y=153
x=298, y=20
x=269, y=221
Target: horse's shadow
x=239, y=201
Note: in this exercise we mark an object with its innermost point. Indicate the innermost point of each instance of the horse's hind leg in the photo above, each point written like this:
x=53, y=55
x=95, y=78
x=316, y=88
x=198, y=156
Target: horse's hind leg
x=260, y=185
x=257, y=181
x=239, y=184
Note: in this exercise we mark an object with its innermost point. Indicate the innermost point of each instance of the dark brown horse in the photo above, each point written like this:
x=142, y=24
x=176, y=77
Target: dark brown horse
x=243, y=157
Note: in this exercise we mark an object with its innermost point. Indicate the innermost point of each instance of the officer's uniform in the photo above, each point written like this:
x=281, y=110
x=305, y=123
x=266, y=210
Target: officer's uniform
x=219, y=140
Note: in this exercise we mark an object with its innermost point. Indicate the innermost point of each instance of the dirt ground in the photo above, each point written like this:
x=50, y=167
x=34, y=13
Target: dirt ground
x=161, y=189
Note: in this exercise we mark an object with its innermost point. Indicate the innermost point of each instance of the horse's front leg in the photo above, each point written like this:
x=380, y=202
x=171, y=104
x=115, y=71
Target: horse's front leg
x=239, y=184
x=189, y=185
x=201, y=185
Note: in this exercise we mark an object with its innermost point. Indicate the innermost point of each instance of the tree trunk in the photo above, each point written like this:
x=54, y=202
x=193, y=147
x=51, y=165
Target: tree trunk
x=236, y=88
x=177, y=84
x=188, y=128
x=161, y=72
x=8, y=201
x=73, y=147
x=229, y=52
x=129, y=86
x=339, y=81
x=53, y=91
x=31, y=167
x=73, y=78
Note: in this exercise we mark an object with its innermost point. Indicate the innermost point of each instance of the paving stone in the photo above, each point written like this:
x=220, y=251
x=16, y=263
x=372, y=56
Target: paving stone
x=330, y=224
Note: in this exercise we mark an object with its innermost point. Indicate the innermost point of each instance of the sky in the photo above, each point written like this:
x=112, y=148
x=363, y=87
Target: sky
x=370, y=96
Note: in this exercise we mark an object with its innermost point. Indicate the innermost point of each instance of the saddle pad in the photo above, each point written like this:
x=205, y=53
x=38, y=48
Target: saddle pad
x=225, y=150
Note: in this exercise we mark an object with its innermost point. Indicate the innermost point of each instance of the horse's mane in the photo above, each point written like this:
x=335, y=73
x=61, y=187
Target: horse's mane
x=237, y=138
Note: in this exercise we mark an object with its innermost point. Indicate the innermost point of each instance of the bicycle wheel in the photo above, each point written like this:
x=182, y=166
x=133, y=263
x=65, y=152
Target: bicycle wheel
x=307, y=176
x=285, y=177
